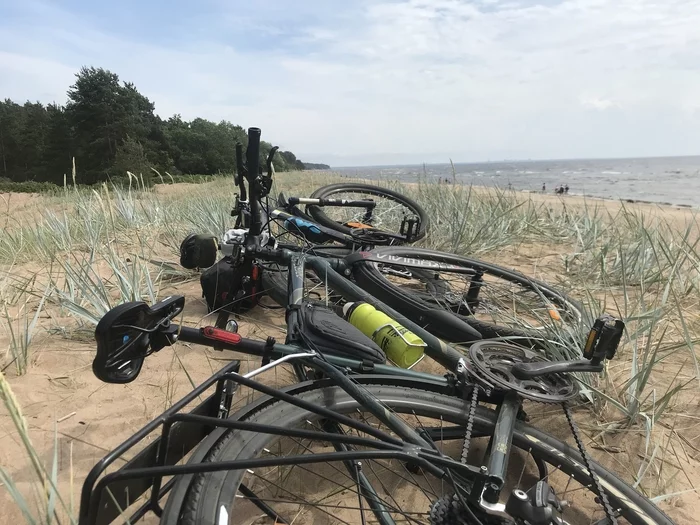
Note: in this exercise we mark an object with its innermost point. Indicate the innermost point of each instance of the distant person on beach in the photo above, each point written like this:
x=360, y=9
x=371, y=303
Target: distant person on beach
x=566, y=189
x=544, y=187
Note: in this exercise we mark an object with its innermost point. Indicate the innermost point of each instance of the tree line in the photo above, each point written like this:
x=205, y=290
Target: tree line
x=108, y=127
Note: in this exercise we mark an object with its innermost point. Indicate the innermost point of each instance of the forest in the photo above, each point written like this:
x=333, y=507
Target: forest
x=110, y=128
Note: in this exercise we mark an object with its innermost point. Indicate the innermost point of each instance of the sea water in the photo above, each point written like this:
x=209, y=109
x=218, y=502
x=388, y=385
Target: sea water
x=670, y=180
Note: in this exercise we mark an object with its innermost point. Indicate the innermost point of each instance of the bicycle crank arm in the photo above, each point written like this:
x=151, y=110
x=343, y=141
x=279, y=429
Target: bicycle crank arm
x=532, y=370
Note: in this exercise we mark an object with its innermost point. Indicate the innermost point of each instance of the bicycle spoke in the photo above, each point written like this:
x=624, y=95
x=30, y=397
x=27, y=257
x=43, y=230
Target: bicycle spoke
x=330, y=475
x=394, y=508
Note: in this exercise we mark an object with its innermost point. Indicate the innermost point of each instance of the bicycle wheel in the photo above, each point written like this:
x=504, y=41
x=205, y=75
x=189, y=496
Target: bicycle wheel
x=390, y=211
x=328, y=492
x=493, y=300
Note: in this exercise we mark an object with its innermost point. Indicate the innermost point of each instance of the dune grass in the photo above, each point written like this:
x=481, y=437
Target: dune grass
x=113, y=244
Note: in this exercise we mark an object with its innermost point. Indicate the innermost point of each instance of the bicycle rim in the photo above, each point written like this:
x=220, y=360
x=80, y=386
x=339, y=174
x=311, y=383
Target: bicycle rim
x=390, y=211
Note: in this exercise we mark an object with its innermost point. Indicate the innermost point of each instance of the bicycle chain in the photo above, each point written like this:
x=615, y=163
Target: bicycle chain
x=470, y=422
x=609, y=513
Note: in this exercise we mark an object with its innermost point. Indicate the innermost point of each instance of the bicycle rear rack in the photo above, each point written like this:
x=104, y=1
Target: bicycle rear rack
x=108, y=496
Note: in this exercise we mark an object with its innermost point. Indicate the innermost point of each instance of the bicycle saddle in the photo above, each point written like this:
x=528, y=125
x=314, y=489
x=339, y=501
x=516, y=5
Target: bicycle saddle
x=130, y=332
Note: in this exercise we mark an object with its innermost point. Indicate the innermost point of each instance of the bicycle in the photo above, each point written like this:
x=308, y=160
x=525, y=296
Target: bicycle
x=457, y=298
x=228, y=454
x=235, y=458
x=393, y=219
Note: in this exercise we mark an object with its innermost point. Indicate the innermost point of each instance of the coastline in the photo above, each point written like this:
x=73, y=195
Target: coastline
x=534, y=192
x=609, y=199
x=576, y=199
x=676, y=213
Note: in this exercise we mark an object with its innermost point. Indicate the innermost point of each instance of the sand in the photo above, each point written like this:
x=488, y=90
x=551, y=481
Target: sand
x=76, y=419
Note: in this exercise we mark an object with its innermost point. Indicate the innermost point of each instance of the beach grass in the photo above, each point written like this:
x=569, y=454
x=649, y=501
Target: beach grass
x=107, y=245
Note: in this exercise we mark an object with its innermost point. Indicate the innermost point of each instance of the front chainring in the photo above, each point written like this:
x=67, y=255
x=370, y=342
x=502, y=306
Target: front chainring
x=493, y=362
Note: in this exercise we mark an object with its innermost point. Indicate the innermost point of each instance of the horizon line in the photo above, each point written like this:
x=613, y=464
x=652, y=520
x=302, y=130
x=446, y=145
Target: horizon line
x=559, y=159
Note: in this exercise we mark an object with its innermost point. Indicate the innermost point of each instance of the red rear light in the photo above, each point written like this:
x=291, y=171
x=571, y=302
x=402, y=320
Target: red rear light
x=221, y=335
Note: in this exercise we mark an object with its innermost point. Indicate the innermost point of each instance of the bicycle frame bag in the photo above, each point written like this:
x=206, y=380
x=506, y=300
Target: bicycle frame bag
x=325, y=331
x=231, y=285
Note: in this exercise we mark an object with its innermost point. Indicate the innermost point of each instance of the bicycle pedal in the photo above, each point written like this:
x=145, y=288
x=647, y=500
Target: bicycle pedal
x=603, y=339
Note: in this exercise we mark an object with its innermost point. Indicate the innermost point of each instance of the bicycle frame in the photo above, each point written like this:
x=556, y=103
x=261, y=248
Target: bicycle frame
x=162, y=455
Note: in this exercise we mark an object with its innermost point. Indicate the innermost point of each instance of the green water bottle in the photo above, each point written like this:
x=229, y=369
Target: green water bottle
x=402, y=347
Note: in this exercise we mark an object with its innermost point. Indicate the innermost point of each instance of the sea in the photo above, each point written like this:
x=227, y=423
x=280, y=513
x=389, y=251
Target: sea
x=664, y=180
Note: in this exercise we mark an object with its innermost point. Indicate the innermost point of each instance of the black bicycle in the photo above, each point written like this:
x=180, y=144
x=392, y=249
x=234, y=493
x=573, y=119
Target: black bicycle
x=350, y=214
x=356, y=441
x=362, y=443
x=456, y=298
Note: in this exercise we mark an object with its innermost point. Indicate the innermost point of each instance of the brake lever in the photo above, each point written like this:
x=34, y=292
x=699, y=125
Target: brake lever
x=270, y=156
x=241, y=172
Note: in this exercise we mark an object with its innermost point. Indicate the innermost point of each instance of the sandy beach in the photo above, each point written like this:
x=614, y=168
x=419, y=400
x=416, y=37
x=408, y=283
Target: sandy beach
x=74, y=419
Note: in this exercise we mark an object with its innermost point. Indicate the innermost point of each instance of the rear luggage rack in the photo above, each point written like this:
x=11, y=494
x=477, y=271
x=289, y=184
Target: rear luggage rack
x=105, y=497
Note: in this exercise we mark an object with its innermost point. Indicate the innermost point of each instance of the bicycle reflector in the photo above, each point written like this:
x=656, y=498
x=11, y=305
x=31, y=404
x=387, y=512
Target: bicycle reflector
x=603, y=339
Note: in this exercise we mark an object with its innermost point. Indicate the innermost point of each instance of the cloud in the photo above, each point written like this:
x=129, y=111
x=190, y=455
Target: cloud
x=399, y=79
x=598, y=103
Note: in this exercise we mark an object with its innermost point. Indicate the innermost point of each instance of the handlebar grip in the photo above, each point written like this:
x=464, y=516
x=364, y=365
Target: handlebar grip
x=252, y=155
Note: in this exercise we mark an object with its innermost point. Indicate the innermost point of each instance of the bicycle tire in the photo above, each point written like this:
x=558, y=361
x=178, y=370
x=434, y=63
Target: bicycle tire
x=207, y=492
x=329, y=191
x=371, y=276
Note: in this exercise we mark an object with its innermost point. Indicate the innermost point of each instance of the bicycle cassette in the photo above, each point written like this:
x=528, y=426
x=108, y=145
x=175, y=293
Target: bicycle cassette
x=493, y=362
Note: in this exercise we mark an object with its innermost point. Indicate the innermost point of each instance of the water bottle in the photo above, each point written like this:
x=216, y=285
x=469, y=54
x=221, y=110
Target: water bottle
x=402, y=347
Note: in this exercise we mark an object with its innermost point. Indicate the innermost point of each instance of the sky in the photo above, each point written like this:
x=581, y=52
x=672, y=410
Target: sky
x=364, y=82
